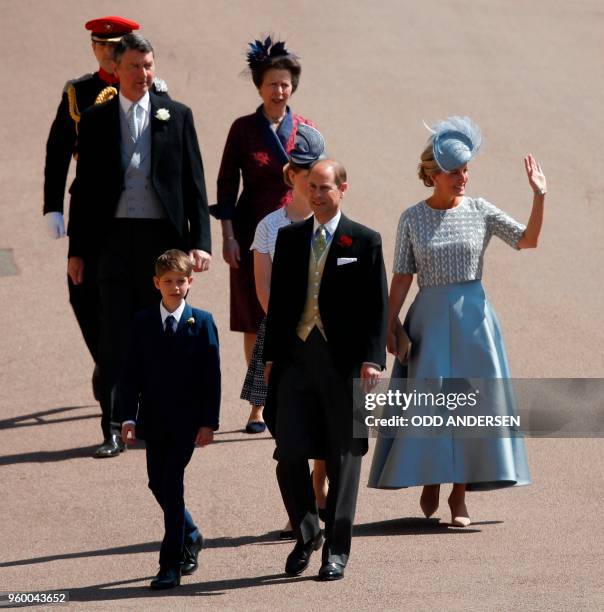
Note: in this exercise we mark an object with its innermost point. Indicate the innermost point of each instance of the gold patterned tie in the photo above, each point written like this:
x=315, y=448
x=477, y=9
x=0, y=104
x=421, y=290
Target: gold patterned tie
x=319, y=242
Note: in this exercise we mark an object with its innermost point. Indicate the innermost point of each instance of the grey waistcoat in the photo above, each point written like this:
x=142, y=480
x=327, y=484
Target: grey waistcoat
x=139, y=199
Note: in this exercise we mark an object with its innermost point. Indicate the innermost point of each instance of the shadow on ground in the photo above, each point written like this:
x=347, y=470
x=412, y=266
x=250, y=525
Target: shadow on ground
x=414, y=526
x=401, y=526
x=147, y=547
x=112, y=591
x=41, y=417
x=48, y=456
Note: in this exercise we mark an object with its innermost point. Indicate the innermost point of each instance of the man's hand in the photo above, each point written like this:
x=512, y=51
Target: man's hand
x=370, y=376
x=392, y=343
x=267, y=372
x=129, y=433
x=230, y=251
x=55, y=224
x=201, y=260
x=75, y=269
x=205, y=436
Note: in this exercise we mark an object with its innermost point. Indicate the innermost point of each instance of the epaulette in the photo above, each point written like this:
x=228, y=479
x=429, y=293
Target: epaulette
x=72, y=82
x=72, y=101
x=105, y=95
x=160, y=85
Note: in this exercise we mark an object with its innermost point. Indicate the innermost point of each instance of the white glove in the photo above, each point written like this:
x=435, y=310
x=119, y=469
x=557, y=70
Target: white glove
x=55, y=224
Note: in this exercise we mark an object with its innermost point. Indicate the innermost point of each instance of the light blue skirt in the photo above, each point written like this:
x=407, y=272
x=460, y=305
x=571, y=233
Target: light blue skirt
x=454, y=334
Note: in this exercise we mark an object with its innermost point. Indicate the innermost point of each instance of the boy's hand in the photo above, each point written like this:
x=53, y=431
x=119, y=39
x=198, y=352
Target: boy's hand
x=129, y=433
x=205, y=436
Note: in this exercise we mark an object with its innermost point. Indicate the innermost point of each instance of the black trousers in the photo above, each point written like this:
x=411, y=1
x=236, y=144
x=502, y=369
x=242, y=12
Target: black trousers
x=167, y=458
x=314, y=420
x=125, y=275
x=84, y=300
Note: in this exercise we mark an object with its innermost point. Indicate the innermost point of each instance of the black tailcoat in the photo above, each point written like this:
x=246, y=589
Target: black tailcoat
x=176, y=173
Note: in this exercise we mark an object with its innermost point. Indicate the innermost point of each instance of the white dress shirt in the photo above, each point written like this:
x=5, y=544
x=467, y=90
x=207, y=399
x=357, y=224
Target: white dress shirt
x=142, y=116
x=165, y=313
x=331, y=226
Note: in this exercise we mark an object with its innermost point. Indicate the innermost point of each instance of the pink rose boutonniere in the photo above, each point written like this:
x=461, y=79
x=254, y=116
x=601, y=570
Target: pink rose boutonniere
x=345, y=241
x=262, y=159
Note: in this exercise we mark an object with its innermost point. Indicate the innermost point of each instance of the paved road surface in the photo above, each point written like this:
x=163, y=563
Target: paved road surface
x=531, y=75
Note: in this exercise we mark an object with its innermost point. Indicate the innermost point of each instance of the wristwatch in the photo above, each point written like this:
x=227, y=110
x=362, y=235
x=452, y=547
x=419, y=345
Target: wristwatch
x=540, y=192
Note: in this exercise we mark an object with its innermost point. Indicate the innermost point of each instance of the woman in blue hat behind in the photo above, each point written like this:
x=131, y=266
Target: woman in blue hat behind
x=456, y=341
x=309, y=147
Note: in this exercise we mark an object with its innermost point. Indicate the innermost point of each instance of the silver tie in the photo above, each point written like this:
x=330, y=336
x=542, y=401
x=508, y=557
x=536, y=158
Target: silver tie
x=133, y=122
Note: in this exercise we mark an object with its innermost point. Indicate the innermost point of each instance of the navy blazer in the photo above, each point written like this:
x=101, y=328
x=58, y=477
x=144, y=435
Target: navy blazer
x=171, y=384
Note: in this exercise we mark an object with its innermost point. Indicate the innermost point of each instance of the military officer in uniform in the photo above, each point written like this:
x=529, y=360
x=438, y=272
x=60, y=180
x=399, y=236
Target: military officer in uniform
x=78, y=95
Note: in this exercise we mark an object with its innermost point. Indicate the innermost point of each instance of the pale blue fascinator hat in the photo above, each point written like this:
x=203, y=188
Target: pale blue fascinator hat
x=309, y=146
x=455, y=141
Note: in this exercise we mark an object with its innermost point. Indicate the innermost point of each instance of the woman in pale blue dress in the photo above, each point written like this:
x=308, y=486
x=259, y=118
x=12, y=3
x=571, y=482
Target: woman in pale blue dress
x=453, y=330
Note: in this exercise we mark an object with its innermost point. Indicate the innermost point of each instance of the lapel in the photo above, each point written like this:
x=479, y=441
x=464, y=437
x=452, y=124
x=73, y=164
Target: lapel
x=336, y=249
x=277, y=142
x=286, y=132
x=296, y=252
x=157, y=327
x=159, y=129
x=112, y=138
x=301, y=252
x=187, y=313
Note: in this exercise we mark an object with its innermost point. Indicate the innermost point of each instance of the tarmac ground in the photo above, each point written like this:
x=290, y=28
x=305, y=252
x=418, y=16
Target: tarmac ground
x=530, y=74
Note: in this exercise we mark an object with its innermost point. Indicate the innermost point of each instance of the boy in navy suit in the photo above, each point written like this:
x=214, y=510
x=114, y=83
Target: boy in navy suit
x=169, y=395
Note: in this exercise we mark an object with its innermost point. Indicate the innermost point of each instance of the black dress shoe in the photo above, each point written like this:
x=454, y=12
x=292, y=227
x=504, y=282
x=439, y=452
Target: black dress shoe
x=299, y=558
x=111, y=447
x=167, y=578
x=189, y=556
x=331, y=571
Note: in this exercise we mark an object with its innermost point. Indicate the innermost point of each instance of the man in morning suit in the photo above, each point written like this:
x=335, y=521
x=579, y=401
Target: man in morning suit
x=326, y=324
x=78, y=95
x=169, y=395
x=153, y=199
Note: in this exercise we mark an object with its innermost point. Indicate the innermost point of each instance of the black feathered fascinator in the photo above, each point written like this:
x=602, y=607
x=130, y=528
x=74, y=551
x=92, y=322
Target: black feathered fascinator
x=261, y=52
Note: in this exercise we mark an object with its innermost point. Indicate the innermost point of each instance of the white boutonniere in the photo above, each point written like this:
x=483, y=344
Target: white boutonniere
x=163, y=114
x=190, y=321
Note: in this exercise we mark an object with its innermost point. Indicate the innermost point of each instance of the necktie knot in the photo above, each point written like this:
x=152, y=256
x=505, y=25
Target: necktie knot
x=319, y=243
x=170, y=329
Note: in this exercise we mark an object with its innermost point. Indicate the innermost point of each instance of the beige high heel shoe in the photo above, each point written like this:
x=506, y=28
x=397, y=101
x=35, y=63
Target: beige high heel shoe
x=459, y=515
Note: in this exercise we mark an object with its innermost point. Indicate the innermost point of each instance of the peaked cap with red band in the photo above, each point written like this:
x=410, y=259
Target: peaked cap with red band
x=111, y=28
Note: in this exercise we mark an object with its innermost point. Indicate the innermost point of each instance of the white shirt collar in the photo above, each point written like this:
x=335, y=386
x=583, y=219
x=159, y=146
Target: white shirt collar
x=331, y=226
x=176, y=314
x=144, y=102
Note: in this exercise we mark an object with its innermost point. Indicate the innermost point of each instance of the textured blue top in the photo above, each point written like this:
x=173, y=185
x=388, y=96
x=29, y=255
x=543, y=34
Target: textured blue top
x=447, y=246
